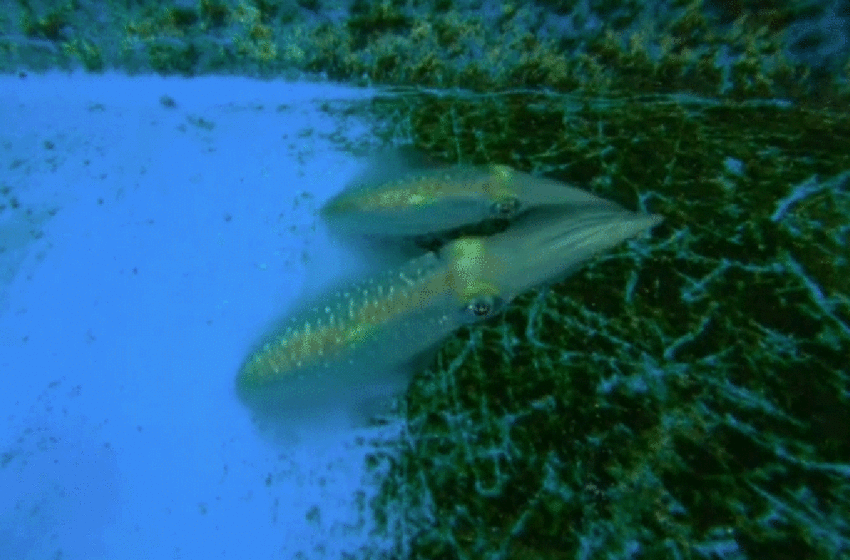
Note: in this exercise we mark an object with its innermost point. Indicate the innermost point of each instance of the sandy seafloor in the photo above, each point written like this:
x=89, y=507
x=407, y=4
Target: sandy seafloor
x=145, y=248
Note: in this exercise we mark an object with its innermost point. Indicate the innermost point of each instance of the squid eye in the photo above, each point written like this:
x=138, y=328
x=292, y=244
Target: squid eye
x=505, y=208
x=480, y=308
x=483, y=307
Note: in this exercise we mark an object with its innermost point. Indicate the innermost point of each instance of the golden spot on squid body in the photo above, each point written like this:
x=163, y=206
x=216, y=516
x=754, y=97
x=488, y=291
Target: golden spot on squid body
x=469, y=267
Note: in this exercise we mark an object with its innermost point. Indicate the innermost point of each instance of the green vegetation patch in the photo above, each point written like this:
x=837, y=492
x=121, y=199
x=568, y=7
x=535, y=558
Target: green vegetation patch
x=676, y=393
x=735, y=51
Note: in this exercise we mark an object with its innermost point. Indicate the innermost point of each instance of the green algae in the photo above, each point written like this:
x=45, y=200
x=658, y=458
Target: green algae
x=682, y=395
x=734, y=50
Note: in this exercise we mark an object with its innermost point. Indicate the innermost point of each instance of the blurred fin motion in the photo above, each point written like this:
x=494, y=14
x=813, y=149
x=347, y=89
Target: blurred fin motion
x=427, y=201
x=347, y=340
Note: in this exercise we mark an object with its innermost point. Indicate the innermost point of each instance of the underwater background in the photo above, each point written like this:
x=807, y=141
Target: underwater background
x=684, y=396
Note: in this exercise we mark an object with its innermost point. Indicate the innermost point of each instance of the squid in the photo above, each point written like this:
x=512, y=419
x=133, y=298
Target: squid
x=436, y=200
x=344, y=342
